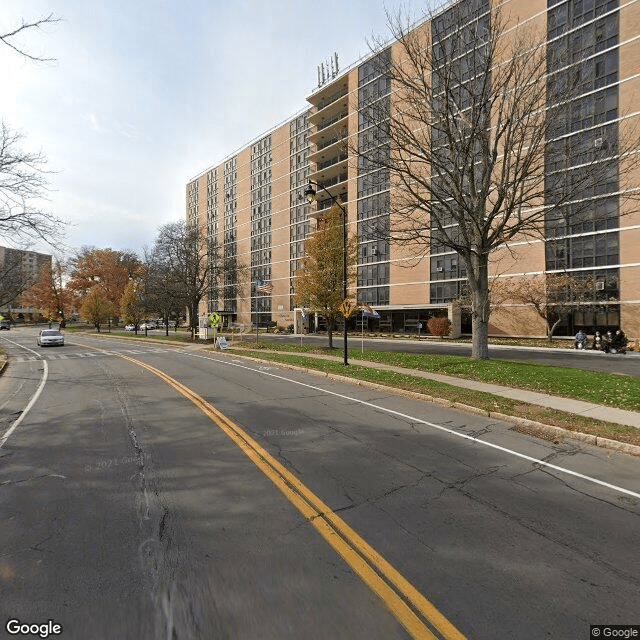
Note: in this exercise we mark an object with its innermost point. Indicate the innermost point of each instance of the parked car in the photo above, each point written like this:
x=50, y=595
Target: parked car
x=50, y=337
x=130, y=327
x=148, y=325
x=5, y=324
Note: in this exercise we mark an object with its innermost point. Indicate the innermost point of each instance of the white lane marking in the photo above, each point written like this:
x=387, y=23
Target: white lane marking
x=71, y=356
x=465, y=436
x=34, y=398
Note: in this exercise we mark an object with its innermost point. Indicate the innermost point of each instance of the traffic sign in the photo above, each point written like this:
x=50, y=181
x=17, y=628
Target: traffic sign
x=348, y=308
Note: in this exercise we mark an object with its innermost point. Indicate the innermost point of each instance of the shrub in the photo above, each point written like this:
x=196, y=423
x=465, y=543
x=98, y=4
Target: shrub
x=439, y=326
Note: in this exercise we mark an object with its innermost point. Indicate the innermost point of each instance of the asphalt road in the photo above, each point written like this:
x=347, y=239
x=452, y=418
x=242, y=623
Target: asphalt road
x=622, y=364
x=128, y=512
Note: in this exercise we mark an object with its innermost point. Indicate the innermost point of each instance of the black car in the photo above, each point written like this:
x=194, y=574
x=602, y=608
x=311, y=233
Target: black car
x=5, y=324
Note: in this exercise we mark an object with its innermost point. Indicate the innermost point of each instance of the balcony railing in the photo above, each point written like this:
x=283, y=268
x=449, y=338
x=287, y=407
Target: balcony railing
x=336, y=118
x=332, y=181
x=332, y=98
x=327, y=143
x=332, y=161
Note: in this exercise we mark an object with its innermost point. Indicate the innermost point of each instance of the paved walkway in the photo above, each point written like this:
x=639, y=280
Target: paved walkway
x=599, y=412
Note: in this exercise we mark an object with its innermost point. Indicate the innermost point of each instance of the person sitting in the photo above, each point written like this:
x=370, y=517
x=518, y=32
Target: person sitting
x=597, y=341
x=607, y=338
x=619, y=341
x=581, y=340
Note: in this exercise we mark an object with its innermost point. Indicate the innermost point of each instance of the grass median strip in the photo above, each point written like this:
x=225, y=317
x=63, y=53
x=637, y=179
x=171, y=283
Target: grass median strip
x=622, y=392
x=483, y=401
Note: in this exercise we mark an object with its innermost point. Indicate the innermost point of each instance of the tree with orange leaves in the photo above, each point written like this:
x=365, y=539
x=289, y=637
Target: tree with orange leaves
x=319, y=283
x=49, y=294
x=95, y=308
x=107, y=270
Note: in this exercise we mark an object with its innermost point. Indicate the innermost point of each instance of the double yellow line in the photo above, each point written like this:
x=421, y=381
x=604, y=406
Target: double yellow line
x=414, y=612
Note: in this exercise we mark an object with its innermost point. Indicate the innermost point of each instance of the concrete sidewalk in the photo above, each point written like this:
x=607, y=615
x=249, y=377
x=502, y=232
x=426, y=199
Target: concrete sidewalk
x=599, y=412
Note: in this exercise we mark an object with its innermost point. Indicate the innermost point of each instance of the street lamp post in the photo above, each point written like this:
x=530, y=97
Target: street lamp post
x=310, y=194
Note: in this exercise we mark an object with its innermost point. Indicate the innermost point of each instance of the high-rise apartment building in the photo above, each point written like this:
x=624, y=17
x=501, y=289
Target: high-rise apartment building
x=252, y=204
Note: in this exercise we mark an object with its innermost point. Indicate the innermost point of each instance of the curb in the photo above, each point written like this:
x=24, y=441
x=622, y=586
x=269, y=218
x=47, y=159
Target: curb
x=4, y=361
x=530, y=427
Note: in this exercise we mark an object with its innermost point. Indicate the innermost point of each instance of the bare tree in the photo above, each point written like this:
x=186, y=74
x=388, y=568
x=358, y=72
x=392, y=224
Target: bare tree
x=23, y=183
x=467, y=141
x=11, y=37
x=186, y=266
x=22, y=173
x=163, y=291
x=555, y=296
x=184, y=255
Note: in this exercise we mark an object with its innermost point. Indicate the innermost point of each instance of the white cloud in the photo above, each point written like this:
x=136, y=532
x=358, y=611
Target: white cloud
x=92, y=118
x=146, y=94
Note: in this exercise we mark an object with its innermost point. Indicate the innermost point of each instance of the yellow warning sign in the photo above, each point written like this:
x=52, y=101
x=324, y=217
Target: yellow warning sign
x=348, y=308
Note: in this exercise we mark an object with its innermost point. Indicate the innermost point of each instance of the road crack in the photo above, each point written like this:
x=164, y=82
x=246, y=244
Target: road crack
x=45, y=475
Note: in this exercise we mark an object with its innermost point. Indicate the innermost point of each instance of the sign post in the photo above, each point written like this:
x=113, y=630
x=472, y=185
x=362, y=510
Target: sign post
x=347, y=309
x=215, y=321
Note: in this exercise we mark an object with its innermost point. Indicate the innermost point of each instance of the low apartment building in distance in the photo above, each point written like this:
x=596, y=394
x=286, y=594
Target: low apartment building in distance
x=19, y=269
x=252, y=203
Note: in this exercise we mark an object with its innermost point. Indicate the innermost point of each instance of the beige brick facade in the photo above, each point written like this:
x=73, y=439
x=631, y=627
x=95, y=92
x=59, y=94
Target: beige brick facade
x=406, y=280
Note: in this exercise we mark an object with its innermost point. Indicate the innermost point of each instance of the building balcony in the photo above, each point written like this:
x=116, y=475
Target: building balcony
x=336, y=121
x=325, y=164
x=327, y=147
x=329, y=92
x=327, y=99
x=323, y=175
x=329, y=111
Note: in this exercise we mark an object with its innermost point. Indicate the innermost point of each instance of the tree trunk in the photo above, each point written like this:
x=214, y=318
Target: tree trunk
x=330, y=333
x=193, y=320
x=480, y=337
x=552, y=328
x=480, y=308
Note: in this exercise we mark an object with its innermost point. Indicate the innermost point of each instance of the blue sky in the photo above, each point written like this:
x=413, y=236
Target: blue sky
x=143, y=95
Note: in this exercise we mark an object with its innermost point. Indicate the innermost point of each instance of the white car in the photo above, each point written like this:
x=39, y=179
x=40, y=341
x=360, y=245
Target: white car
x=148, y=325
x=50, y=338
x=130, y=327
